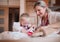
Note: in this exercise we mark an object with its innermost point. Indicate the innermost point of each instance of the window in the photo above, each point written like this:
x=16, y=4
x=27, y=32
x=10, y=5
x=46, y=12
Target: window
x=1, y=12
x=1, y=20
x=1, y=29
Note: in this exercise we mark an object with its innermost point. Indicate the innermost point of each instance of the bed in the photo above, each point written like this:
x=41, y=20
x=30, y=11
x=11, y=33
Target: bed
x=50, y=37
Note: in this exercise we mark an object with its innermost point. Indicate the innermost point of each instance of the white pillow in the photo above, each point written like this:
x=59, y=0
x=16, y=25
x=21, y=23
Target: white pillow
x=0, y=36
x=17, y=27
x=13, y=35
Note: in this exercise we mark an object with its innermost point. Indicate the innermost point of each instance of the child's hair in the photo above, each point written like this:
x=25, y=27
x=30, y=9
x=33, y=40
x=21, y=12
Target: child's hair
x=24, y=15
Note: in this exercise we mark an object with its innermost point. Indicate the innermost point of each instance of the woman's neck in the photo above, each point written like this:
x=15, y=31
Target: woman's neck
x=44, y=20
x=45, y=16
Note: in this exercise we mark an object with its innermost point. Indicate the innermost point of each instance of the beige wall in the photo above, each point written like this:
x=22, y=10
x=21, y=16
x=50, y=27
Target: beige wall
x=16, y=3
x=30, y=10
x=11, y=3
x=5, y=17
x=3, y=2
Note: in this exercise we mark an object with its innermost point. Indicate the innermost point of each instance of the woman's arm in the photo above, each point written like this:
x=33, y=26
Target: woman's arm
x=40, y=32
x=53, y=26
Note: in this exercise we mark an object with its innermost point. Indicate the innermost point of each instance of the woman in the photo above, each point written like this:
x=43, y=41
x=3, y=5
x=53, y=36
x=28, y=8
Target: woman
x=46, y=15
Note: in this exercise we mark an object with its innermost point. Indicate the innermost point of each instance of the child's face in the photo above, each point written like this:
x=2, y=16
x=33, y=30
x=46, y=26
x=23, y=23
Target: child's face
x=25, y=21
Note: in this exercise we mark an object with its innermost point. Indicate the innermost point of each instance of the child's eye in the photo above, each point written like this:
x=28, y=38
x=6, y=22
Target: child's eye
x=28, y=27
x=24, y=26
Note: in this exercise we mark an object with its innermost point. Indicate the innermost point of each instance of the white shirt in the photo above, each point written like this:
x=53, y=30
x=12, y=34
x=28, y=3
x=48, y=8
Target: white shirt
x=17, y=27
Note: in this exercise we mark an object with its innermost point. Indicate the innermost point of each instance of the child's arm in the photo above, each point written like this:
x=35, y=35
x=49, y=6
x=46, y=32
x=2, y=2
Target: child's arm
x=24, y=31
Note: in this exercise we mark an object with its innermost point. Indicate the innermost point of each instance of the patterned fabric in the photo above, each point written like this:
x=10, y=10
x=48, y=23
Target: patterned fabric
x=53, y=17
x=44, y=22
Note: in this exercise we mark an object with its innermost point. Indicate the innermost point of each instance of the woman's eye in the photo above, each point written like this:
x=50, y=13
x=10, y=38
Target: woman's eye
x=39, y=10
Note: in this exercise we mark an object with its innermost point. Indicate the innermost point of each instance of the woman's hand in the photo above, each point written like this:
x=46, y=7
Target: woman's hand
x=40, y=32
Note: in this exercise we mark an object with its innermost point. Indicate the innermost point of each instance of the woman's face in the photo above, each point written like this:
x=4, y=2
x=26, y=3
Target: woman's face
x=40, y=11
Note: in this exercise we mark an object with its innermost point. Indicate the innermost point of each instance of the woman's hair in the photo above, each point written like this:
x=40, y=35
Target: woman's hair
x=42, y=4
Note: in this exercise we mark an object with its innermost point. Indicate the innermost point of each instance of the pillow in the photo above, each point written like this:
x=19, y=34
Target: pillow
x=17, y=27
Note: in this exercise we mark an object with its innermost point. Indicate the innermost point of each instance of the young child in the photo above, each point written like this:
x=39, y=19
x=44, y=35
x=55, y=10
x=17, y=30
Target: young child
x=25, y=24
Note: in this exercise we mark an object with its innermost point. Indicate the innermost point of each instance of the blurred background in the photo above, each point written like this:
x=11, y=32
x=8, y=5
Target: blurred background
x=10, y=11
